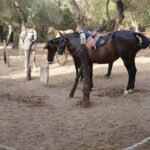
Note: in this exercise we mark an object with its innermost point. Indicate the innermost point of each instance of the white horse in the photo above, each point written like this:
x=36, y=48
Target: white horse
x=56, y=32
x=27, y=37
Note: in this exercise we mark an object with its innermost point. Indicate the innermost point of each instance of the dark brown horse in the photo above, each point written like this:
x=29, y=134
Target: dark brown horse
x=124, y=44
x=52, y=46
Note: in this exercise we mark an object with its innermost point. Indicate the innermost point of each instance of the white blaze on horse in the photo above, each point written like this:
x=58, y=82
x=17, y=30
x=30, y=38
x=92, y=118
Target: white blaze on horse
x=56, y=32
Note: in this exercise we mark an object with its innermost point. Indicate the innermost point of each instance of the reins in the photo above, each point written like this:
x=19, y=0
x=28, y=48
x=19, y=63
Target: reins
x=57, y=45
x=75, y=52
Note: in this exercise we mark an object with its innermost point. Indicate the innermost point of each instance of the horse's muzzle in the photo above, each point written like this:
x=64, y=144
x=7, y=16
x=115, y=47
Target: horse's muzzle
x=50, y=62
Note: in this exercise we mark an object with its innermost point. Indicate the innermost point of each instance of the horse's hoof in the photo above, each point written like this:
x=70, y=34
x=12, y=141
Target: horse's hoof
x=71, y=95
x=85, y=104
x=126, y=92
x=107, y=76
x=81, y=80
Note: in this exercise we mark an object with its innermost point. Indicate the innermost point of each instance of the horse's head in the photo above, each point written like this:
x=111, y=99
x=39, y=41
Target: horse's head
x=51, y=47
x=62, y=44
x=51, y=30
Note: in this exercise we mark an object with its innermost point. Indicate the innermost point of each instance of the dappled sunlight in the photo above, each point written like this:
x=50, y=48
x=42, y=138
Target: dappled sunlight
x=142, y=60
x=13, y=57
x=55, y=69
x=38, y=111
x=8, y=47
x=13, y=76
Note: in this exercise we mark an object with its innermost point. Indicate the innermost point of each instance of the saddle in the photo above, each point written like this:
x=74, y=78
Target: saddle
x=97, y=39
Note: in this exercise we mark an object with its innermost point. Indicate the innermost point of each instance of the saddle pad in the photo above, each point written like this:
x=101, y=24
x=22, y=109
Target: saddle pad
x=92, y=40
x=102, y=41
x=97, y=40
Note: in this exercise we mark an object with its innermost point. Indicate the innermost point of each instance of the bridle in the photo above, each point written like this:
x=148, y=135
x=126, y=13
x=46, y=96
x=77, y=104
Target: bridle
x=69, y=43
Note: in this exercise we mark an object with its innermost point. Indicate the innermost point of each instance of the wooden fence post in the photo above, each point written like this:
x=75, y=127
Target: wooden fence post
x=6, y=54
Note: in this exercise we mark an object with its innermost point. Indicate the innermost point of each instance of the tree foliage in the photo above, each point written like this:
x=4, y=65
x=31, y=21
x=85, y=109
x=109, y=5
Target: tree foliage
x=60, y=14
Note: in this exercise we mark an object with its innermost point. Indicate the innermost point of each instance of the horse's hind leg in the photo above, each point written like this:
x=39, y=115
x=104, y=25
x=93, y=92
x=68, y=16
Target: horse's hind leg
x=110, y=65
x=131, y=68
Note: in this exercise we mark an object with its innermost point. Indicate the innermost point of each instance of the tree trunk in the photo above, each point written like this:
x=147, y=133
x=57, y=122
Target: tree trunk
x=75, y=8
x=80, y=18
x=1, y=33
x=107, y=11
x=19, y=7
x=134, y=23
x=86, y=74
x=113, y=24
x=10, y=35
x=120, y=13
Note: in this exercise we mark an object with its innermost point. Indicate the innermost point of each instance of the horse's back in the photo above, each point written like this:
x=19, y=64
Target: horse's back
x=123, y=37
x=118, y=43
x=124, y=32
x=67, y=31
x=132, y=39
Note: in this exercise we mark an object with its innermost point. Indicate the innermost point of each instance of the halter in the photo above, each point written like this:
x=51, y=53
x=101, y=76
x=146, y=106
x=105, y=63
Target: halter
x=57, y=45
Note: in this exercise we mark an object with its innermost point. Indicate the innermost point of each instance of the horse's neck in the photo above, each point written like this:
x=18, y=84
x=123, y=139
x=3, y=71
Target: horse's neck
x=56, y=43
x=57, y=34
x=72, y=49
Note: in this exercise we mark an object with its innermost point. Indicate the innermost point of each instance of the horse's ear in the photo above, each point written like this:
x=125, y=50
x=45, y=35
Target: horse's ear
x=48, y=31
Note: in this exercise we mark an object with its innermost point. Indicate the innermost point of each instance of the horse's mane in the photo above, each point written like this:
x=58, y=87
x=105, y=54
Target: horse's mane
x=74, y=40
x=75, y=34
x=53, y=42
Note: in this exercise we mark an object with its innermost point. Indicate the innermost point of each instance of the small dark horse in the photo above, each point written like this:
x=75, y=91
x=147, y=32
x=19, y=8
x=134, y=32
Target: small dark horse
x=52, y=46
x=124, y=44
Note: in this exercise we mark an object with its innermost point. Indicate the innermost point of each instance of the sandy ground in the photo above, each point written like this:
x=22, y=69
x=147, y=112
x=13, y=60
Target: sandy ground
x=34, y=116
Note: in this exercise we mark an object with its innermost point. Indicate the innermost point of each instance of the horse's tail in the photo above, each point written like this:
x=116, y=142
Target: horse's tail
x=144, y=42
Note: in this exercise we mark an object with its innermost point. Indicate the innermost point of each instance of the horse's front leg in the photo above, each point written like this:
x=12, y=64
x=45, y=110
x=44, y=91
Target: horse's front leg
x=110, y=65
x=76, y=66
x=131, y=68
x=76, y=83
